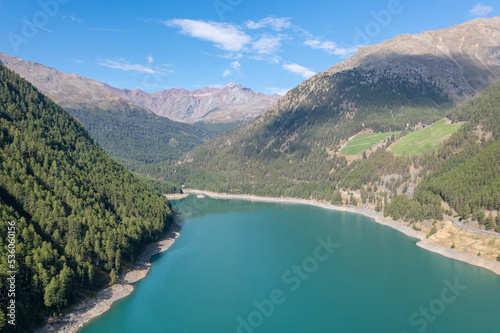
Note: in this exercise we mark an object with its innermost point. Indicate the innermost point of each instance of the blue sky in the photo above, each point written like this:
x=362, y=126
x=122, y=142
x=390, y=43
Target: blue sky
x=264, y=45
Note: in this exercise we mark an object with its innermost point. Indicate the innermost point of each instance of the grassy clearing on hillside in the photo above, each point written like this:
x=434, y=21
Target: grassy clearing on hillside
x=362, y=142
x=431, y=137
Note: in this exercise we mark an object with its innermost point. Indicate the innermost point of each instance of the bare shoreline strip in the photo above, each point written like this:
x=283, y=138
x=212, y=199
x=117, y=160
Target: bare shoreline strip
x=77, y=317
x=176, y=196
x=378, y=217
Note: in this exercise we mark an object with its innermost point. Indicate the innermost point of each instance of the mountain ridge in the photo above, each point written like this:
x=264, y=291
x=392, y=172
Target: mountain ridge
x=431, y=44
x=70, y=90
x=294, y=145
x=132, y=134
x=230, y=103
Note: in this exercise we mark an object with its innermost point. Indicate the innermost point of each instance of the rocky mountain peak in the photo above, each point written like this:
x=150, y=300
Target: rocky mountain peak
x=464, y=58
x=231, y=85
x=231, y=103
x=456, y=62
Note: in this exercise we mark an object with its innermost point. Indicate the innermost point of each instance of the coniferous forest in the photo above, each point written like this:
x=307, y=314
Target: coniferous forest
x=76, y=217
x=463, y=172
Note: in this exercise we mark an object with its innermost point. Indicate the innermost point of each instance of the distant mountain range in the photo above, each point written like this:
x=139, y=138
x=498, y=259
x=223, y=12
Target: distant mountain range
x=138, y=128
x=131, y=132
x=232, y=103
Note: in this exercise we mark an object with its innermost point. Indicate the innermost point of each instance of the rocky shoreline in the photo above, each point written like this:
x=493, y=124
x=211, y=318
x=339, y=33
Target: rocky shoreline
x=81, y=314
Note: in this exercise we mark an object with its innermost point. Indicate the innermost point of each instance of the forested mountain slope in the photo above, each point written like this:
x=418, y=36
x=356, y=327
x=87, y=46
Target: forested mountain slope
x=78, y=216
x=465, y=172
x=400, y=85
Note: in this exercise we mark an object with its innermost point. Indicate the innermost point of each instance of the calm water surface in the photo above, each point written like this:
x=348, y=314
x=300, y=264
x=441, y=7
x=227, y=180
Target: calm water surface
x=240, y=266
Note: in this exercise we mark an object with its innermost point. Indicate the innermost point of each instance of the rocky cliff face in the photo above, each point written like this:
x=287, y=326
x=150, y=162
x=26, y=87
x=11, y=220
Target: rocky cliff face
x=231, y=103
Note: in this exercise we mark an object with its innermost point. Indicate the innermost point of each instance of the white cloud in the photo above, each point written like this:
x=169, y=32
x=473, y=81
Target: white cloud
x=232, y=56
x=267, y=44
x=149, y=59
x=226, y=36
x=238, y=42
x=77, y=61
x=480, y=10
x=277, y=24
x=126, y=66
x=299, y=70
x=277, y=91
x=330, y=47
x=73, y=18
x=273, y=59
x=235, y=67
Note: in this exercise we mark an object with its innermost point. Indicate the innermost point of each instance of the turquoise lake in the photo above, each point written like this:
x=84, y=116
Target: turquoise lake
x=242, y=266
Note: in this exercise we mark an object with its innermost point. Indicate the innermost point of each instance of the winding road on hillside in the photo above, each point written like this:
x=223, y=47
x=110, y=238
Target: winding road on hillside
x=461, y=225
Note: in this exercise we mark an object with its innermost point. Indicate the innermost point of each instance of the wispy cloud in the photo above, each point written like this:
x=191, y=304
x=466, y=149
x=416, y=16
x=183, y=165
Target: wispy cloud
x=480, y=10
x=276, y=91
x=267, y=44
x=273, y=59
x=225, y=36
x=299, y=70
x=232, y=55
x=73, y=18
x=277, y=24
x=124, y=65
x=149, y=59
x=246, y=41
x=77, y=61
x=330, y=47
x=24, y=20
x=234, y=67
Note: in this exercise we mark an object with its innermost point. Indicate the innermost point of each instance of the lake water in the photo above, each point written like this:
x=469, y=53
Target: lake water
x=240, y=266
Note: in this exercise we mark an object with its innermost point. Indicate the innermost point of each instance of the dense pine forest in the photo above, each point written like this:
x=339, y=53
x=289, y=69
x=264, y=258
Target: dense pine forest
x=463, y=171
x=139, y=138
x=76, y=217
